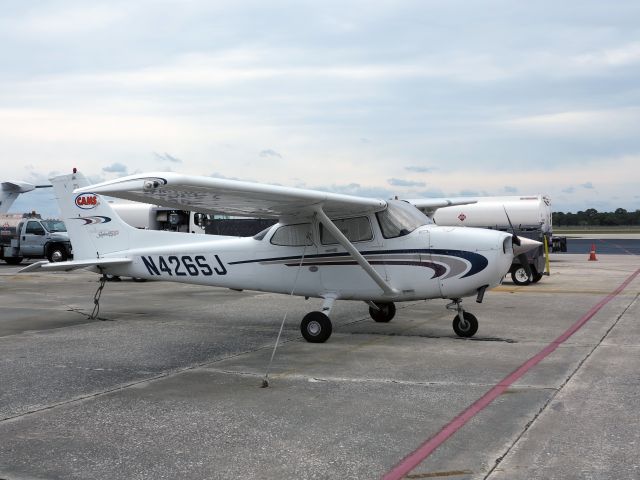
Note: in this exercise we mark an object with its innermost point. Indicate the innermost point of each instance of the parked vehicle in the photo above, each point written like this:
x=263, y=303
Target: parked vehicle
x=529, y=216
x=29, y=236
x=154, y=217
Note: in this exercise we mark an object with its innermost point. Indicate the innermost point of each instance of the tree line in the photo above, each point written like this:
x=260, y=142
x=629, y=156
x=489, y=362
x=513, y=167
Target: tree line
x=591, y=217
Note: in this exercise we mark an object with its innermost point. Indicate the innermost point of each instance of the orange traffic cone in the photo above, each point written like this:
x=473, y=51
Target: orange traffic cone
x=592, y=253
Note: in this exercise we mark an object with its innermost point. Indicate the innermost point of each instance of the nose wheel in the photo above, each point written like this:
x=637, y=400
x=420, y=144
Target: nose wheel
x=467, y=327
x=465, y=324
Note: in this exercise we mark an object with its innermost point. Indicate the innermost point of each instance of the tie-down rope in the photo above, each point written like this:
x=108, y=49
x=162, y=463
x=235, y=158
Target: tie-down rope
x=265, y=380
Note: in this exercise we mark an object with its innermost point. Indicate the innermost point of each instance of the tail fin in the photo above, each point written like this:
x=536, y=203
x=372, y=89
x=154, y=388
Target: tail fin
x=94, y=228
x=9, y=191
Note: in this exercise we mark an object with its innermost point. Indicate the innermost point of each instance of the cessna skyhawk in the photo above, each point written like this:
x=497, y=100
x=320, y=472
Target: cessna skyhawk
x=325, y=245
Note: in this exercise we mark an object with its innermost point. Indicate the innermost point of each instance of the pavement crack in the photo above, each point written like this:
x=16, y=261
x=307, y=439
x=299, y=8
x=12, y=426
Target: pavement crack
x=127, y=385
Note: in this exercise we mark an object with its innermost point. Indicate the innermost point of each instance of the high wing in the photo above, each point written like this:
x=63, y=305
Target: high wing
x=428, y=206
x=232, y=197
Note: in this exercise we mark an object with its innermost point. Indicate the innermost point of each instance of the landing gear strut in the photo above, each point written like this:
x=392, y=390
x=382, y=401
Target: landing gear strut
x=464, y=323
x=316, y=326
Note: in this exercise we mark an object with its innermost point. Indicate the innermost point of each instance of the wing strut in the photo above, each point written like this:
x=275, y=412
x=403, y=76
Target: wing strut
x=357, y=256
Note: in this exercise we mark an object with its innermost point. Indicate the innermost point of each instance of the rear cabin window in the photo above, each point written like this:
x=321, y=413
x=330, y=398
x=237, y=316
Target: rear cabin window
x=297, y=235
x=356, y=229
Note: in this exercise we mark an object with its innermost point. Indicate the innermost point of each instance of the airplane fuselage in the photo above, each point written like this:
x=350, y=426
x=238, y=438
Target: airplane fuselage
x=430, y=262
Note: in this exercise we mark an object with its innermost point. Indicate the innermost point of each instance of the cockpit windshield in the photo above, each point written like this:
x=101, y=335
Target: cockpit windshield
x=54, y=226
x=400, y=218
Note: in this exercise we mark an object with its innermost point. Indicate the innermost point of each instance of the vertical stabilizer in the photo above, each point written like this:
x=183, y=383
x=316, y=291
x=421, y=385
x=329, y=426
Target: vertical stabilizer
x=94, y=227
x=9, y=191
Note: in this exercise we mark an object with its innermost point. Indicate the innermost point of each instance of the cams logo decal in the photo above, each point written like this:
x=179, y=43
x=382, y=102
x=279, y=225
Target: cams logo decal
x=87, y=201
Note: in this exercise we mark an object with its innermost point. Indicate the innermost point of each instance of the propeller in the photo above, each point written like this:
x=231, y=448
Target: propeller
x=525, y=245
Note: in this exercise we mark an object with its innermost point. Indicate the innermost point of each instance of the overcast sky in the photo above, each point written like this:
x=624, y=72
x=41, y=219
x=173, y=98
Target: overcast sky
x=375, y=98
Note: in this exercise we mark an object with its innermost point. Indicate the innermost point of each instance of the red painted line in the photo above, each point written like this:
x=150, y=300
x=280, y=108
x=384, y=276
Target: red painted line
x=412, y=460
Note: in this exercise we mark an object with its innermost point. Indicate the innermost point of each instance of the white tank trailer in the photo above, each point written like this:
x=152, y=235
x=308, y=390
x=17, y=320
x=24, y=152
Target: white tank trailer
x=153, y=217
x=530, y=216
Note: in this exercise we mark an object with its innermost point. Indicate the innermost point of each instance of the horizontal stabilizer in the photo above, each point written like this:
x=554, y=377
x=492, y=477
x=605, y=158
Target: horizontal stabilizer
x=74, y=264
x=16, y=186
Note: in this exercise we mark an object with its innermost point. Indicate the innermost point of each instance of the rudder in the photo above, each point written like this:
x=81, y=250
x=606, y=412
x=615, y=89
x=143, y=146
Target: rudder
x=94, y=228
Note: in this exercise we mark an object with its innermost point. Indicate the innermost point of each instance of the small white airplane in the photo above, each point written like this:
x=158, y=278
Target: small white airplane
x=325, y=245
x=10, y=190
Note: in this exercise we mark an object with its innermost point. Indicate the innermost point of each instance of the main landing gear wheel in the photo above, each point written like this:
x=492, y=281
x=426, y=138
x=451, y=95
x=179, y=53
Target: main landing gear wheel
x=316, y=327
x=520, y=277
x=466, y=328
x=384, y=313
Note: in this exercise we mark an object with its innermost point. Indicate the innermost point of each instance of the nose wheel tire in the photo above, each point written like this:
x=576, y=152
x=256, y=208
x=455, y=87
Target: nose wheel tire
x=466, y=328
x=316, y=327
x=384, y=313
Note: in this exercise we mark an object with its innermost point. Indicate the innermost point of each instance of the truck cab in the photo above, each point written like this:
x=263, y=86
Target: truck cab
x=32, y=237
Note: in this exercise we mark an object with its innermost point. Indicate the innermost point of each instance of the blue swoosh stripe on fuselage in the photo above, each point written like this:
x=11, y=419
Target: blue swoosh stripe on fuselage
x=478, y=262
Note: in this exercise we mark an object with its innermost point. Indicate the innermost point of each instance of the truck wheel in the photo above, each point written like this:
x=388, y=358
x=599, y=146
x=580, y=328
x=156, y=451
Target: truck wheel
x=536, y=276
x=13, y=260
x=520, y=277
x=57, y=254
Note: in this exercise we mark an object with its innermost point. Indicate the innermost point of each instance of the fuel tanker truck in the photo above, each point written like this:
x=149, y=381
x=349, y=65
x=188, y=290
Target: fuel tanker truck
x=29, y=236
x=527, y=216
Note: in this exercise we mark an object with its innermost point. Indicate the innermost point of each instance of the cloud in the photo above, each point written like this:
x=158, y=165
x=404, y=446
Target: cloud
x=270, y=153
x=509, y=189
x=418, y=169
x=623, y=55
x=115, y=167
x=432, y=193
x=614, y=122
x=398, y=182
x=71, y=20
x=568, y=190
x=167, y=158
x=357, y=98
x=587, y=185
x=38, y=178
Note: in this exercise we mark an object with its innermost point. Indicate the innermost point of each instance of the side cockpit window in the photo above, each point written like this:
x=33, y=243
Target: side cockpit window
x=400, y=218
x=356, y=229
